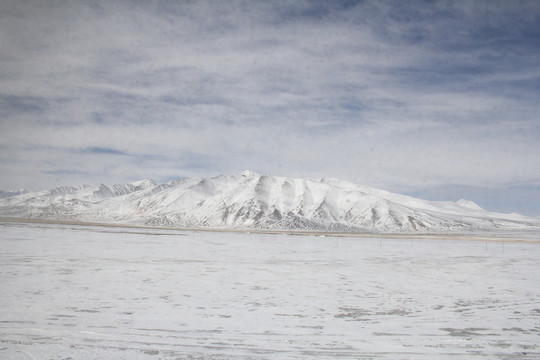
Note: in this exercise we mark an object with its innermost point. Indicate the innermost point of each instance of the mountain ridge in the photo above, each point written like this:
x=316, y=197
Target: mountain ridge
x=248, y=200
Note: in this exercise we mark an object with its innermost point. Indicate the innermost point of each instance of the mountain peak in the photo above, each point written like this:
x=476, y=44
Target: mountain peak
x=143, y=184
x=249, y=173
x=469, y=204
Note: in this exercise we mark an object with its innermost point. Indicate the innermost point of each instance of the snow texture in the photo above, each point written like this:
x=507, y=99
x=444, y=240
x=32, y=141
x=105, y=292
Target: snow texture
x=252, y=201
x=81, y=292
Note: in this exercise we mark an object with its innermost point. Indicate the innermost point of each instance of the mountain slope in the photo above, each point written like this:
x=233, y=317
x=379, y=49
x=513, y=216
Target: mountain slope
x=248, y=200
x=6, y=194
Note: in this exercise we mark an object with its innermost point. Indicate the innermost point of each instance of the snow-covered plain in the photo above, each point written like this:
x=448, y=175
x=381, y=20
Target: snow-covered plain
x=87, y=292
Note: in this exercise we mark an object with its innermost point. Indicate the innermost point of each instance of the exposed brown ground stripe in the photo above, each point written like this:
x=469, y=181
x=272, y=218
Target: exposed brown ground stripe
x=504, y=236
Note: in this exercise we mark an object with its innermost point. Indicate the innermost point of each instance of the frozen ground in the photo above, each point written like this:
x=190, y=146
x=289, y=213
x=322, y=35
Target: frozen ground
x=80, y=292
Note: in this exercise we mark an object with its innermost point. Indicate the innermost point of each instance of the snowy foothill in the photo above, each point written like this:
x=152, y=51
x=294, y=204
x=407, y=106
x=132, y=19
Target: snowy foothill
x=102, y=292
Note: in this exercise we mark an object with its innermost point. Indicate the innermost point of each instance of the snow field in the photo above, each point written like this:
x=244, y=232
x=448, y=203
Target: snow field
x=99, y=292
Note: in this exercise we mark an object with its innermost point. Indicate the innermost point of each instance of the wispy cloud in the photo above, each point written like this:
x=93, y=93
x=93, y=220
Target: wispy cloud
x=100, y=150
x=392, y=94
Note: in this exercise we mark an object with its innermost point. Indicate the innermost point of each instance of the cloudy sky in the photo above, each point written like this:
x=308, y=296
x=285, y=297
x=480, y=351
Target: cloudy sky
x=436, y=99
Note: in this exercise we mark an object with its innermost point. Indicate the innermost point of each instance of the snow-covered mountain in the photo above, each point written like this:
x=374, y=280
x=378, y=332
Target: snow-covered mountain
x=252, y=201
